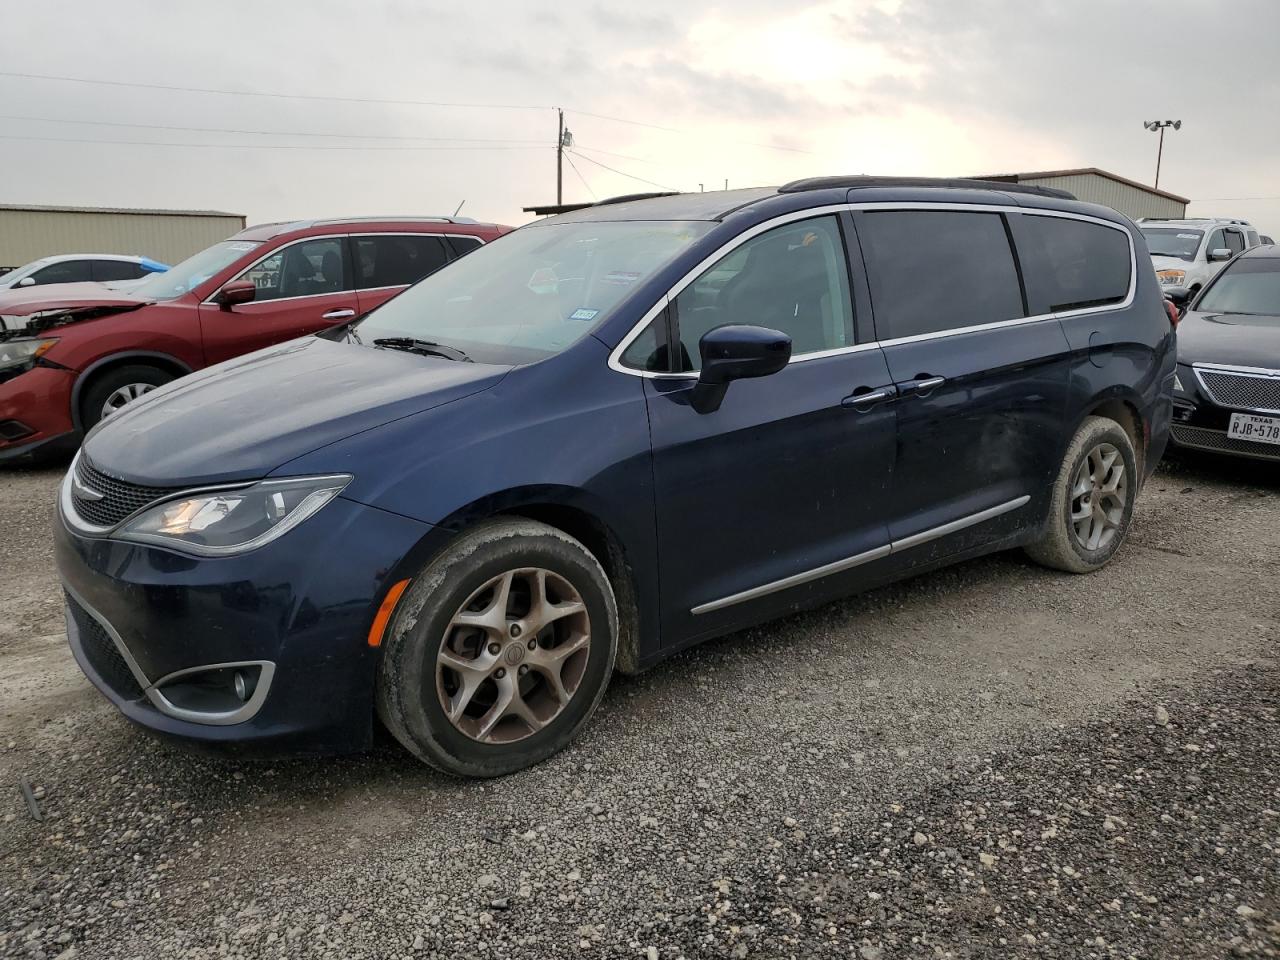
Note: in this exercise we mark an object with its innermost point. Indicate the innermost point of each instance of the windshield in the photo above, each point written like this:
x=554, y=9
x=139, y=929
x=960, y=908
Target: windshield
x=193, y=271
x=1247, y=286
x=533, y=292
x=1173, y=242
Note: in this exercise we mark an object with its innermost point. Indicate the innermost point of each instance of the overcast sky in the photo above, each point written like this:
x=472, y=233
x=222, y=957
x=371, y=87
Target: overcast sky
x=752, y=91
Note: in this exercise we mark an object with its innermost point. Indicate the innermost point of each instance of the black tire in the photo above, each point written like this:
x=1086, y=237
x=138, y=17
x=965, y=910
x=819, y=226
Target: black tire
x=408, y=702
x=105, y=384
x=1061, y=548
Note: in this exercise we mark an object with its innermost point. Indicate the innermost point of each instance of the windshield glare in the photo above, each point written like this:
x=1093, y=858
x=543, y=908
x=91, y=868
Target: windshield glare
x=533, y=292
x=193, y=271
x=1173, y=242
x=1249, y=286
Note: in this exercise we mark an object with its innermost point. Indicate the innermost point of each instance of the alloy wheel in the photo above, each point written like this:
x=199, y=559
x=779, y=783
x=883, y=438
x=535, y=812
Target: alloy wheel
x=118, y=397
x=1099, y=495
x=513, y=655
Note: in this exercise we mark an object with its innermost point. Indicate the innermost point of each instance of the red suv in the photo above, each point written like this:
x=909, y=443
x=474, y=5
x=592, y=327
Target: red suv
x=74, y=354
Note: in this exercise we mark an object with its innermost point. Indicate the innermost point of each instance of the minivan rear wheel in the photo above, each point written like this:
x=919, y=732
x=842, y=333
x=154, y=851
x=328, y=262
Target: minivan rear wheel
x=500, y=650
x=1093, y=496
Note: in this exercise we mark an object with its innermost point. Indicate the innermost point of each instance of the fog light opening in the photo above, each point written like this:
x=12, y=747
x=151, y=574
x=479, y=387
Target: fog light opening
x=243, y=686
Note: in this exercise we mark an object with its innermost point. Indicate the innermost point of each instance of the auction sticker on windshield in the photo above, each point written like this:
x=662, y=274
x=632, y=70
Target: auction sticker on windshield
x=1247, y=426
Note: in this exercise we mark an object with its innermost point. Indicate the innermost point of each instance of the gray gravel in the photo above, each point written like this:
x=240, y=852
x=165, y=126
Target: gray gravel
x=988, y=761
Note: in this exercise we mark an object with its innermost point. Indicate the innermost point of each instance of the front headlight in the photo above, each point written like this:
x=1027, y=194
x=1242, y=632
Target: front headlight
x=19, y=355
x=1171, y=278
x=222, y=522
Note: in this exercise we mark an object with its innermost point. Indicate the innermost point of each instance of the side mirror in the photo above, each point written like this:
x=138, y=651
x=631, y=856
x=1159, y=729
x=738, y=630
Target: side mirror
x=27, y=282
x=1179, y=296
x=1218, y=254
x=236, y=291
x=736, y=352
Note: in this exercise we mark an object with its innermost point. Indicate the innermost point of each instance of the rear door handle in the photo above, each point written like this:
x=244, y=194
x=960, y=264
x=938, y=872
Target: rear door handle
x=869, y=398
x=337, y=315
x=921, y=385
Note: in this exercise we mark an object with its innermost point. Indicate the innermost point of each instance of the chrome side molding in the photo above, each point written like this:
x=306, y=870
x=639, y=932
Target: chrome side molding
x=878, y=553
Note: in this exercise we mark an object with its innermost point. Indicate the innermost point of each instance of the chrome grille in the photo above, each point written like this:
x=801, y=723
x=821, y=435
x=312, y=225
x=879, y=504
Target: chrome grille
x=1244, y=391
x=119, y=498
x=1218, y=441
x=101, y=652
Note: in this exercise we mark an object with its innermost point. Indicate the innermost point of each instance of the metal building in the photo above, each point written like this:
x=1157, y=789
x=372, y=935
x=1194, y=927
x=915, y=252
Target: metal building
x=29, y=232
x=1131, y=198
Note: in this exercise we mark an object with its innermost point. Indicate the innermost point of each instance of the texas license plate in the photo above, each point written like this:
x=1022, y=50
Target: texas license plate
x=1247, y=426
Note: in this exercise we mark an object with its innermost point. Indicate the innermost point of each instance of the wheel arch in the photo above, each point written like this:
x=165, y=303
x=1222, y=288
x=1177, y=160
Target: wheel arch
x=1122, y=406
x=575, y=513
x=163, y=361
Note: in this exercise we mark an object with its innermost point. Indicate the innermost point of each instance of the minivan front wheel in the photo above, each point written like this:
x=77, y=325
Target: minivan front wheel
x=500, y=651
x=1092, y=504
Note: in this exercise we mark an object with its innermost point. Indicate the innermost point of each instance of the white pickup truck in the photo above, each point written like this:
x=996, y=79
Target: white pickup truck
x=1187, y=253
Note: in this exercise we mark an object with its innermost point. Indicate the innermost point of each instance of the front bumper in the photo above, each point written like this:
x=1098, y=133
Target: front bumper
x=298, y=609
x=35, y=413
x=1200, y=423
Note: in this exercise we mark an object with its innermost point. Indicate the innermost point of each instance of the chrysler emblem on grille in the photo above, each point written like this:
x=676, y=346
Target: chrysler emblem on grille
x=81, y=492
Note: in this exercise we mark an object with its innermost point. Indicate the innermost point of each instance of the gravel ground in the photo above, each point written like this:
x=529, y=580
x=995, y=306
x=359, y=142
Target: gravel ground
x=992, y=760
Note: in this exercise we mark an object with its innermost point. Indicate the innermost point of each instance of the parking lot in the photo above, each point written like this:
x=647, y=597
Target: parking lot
x=989, y=760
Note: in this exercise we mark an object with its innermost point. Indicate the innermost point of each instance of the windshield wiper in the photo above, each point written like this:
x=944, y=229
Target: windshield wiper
x=428, y=348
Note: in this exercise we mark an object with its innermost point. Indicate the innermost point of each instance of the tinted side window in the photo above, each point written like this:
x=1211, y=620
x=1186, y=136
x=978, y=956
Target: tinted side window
x=1216, y=242
x=1252, y=237
x=397, y=260
x=68, y=271
x=649, y=350
x=936, y=271
x=462, y=244
x=1073, y=264
x=792, y=278
x=302, y=269
x=1235, y=240
x=104, y=270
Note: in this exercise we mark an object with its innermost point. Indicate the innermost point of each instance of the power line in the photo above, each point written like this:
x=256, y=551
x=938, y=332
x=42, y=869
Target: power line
x=397, y=102
x=258, y=146
x=574, y=166
x=278, y=96
x=1230, y=199
x=686, y=133
x=266, y=133
x=610, y=153
x=583, y=156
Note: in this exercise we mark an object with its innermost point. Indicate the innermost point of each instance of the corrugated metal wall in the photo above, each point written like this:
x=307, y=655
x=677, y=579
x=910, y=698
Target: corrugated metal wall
x=1130, y=201
x=28, y=234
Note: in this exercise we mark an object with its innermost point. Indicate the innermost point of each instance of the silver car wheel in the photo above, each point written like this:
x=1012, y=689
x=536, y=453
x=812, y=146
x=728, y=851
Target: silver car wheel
x=1099, y=494
x=120, y=396
x=513, y=655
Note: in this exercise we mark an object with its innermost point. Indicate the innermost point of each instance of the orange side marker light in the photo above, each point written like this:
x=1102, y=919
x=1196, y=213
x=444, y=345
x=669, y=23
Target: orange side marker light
x=384, y=613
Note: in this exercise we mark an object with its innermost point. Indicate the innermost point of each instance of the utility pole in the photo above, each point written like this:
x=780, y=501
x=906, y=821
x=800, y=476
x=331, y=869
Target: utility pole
x=560, y=160
x=1154, y=125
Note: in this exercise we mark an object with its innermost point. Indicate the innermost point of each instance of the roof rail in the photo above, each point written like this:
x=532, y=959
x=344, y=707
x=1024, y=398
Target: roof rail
x=623, y=198
x=557, y=208
x=866, y=182
x=435, y=218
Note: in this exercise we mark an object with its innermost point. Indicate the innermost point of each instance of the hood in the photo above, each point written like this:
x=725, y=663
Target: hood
x=1170, y=263
x=242, y=419
x=28, y=310
x=1231, y=338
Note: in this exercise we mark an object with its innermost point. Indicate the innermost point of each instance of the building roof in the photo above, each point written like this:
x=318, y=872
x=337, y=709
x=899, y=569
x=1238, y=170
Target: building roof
x=1080, y=172
x=42, y=208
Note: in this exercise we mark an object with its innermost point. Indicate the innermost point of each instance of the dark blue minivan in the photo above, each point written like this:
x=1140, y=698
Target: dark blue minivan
x=602, y=438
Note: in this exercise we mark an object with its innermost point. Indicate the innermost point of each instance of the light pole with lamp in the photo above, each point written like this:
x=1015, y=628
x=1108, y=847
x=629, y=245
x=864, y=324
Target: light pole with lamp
x=1154, y=125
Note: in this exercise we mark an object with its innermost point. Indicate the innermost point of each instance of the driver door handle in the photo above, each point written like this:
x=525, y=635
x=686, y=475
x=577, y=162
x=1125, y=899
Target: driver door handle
x=869, y=398
x=922, y=384
x=337, y=315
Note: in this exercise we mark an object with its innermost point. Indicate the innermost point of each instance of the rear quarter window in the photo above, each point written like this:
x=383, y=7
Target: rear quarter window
x=1072, y=264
